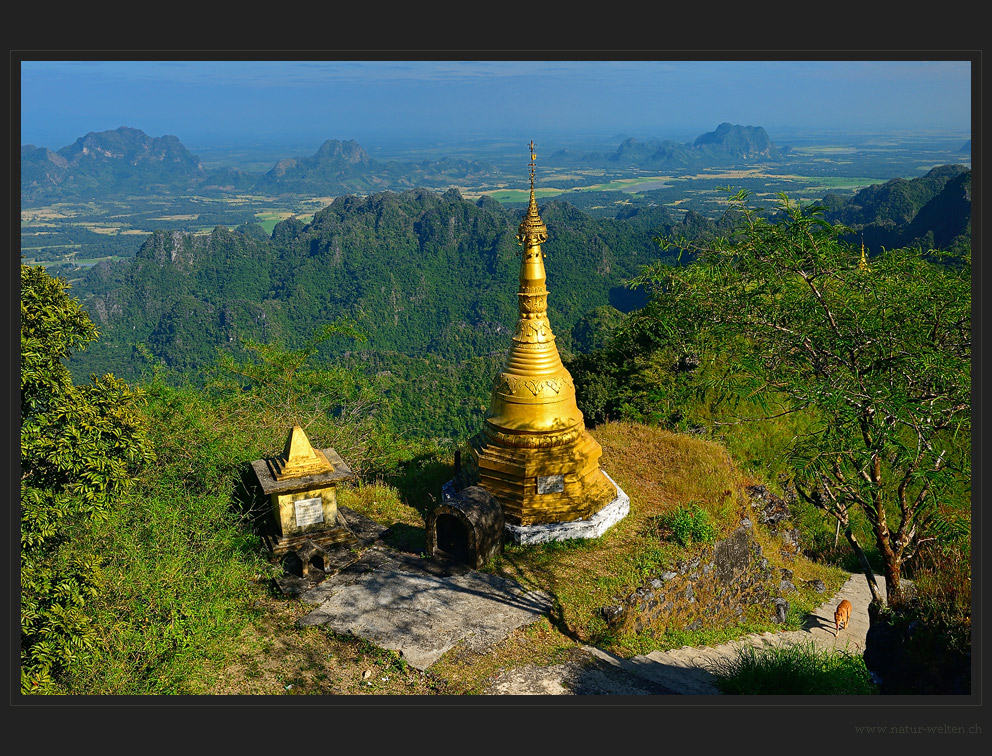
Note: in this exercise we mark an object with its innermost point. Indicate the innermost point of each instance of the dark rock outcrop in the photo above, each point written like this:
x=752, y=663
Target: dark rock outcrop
x=773, y=512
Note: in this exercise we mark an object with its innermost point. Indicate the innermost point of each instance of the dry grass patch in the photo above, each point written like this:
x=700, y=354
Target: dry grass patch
x=380, y=502
x=540, y=644
x=661, y=470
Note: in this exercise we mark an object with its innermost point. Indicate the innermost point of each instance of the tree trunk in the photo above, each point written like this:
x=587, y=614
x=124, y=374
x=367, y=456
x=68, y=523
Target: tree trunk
x=893, y=586
x=876, y=595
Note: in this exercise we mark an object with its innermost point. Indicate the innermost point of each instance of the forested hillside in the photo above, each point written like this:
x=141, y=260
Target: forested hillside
x=418, y=274
x=429, y=281
x=932, y=211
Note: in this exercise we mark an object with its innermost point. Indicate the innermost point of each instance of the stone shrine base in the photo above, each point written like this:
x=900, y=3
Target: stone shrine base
x=590, y=527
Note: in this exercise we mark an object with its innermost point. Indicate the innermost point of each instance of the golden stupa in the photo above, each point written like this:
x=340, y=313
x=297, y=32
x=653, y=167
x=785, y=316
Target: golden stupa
x=534, y=454
x=299, y=458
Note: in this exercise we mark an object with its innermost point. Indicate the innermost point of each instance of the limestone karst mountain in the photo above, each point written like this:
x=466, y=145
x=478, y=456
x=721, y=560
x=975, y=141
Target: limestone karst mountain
x=126, y=160
x=726, y=145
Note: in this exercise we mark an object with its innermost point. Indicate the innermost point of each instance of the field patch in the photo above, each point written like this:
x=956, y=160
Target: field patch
x=100, y=228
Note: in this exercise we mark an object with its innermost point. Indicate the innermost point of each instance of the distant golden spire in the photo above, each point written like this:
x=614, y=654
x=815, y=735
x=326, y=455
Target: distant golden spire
x=863, y=263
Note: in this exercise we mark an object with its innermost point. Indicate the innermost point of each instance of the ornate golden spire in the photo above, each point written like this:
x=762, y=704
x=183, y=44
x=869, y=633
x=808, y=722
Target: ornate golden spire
x=532, y=231
x=534, y=453
x=533, y=360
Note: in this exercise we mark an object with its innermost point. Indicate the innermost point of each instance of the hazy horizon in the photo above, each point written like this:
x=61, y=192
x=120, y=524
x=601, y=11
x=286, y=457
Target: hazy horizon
x=218, y=103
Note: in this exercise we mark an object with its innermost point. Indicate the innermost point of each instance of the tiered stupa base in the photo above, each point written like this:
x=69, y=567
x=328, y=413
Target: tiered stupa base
x=593, y=526
x=549, y=493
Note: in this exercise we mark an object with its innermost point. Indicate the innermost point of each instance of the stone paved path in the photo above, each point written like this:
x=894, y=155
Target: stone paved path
x=687, y=670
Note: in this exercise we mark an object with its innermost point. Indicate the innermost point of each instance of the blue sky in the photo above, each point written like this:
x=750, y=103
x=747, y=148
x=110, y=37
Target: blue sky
x=230, y=102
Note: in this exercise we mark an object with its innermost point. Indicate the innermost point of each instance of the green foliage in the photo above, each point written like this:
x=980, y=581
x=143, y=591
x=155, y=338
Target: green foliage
x=80, y=445
x=689, y=523
x=244, y=408
x=881, y=358
x=179, y=551
x=595, y=328
x=276, y=376
x=429, y=279
x=638, y=376
x=796, y=670
x=176, y=589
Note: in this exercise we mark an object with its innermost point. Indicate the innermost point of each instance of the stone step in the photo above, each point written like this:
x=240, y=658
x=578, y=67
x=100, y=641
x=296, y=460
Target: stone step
x=681, y=680
x=687, y=670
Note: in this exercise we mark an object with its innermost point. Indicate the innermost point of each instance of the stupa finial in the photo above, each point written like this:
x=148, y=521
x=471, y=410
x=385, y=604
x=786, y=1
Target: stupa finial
x=532, y=231
x=863, y=263
x=533, y=162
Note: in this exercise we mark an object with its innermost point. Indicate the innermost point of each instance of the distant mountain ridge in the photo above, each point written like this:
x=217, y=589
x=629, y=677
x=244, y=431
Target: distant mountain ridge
x=745, y=142
x=346, y=168
x=125, y=160
x=128, y=161
x=727, y=144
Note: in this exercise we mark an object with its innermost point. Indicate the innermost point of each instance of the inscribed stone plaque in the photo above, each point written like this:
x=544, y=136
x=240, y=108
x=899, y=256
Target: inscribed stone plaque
x=550, y=484
x=309, y=511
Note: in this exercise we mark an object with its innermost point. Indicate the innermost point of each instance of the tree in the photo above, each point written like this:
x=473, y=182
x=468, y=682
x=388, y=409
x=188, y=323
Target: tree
x=79, y=445
x=279, y=387
x=878, y=352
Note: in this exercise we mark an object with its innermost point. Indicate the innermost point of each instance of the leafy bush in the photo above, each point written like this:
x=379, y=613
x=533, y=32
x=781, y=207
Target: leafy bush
x=880, y=352
x=80, y=445
x=176, y=592
x=689, y=524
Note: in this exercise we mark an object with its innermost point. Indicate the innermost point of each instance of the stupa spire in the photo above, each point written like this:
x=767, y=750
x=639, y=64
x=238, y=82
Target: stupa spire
x=863, y=263
x=532, y=231
x=534, y=453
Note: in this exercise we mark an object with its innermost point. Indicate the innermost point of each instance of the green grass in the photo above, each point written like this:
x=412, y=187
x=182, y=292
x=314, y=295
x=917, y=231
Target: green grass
x=689, y=523
x=269, y=219
x=175, y=590
x=801, y=669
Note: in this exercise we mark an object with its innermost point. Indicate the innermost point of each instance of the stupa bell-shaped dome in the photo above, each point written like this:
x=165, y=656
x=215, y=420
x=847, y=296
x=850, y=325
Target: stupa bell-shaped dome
x=534, y=392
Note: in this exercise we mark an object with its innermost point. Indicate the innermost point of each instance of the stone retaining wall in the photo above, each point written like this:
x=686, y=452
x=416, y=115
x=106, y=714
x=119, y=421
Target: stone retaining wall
x=715, y=587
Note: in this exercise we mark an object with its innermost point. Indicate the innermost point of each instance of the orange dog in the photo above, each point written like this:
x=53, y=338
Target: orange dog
x=842, y=615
